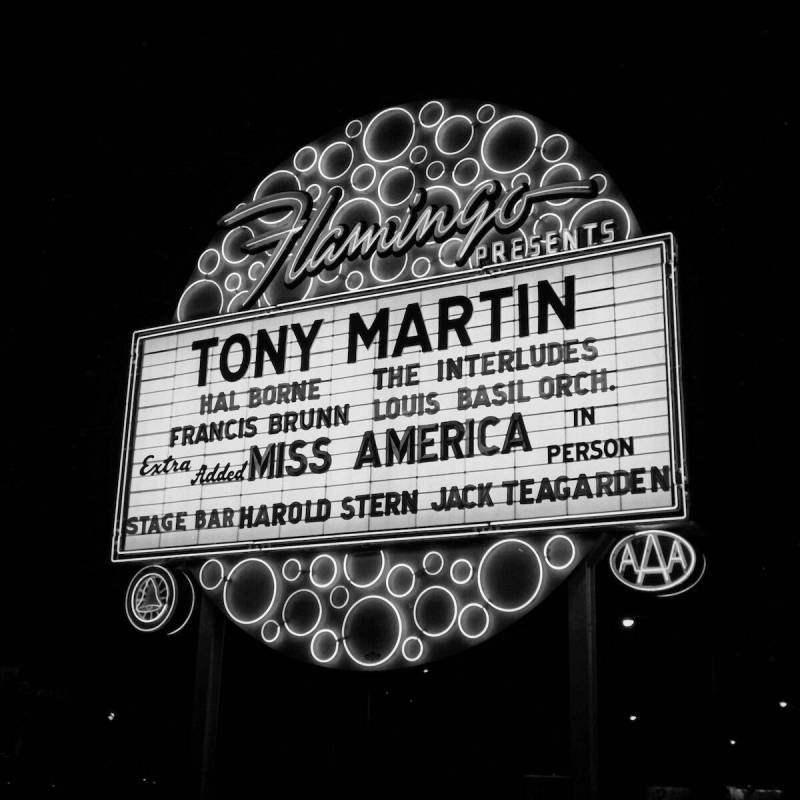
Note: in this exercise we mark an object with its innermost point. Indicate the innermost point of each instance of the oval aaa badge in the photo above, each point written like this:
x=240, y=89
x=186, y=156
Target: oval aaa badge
x=653, y=561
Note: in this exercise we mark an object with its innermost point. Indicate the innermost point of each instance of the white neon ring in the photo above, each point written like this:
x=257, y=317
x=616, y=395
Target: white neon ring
x=270, y=640
x=385, y=176
x=415, y=149
x=490, y=117
x=605, y=181
x=405, y=643
x=464, y=146
x=313, y=160
x=311, y=571
x=441, y=562
x=286, y=564
x=391, y=278
x=369, y=583
x=399, y=631
x=450, y=241
x=558, y=166
x=436, y=177
x=358, y=128
x=547, y=544
x=452, y=571
x=364, y=166
x=168, y=609
x=452, y=621
x=566, y=147
x=215, y=267
x=191, y=286
x=422, y=111
x=335, y=649
x=319, y=614
x=191, y=608
x=317, y=193
x=516, y=166
x=538, y=585
x=477, y=171
x=208, y=586
x=417, y=274
x=461, y=627
x=228, y=583
x=344, y=171
x=346, y=596
x=413, y=580
x=372, y=122
x=354, y=274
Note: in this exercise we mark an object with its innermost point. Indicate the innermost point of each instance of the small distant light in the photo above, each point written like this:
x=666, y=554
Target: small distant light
x=733, y=742
x=628, y=622
x=783, y=704
x=633, y=717
x=426, y=670
x=111, y=716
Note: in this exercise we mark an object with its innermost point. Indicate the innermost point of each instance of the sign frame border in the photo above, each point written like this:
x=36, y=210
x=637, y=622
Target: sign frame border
x=678, y=512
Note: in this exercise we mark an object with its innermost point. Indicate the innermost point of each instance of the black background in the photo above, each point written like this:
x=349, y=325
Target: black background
x=130, y=149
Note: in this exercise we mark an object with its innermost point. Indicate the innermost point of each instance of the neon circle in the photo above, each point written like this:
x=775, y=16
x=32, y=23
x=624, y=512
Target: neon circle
x=368, y=583
x=435, y=570
x=242, y=232
x=416, y=642
x=339, y=588
x=355, y=179
x=559, y=537
x=602, y=178
x=547, y=153
x=205, y=293
x=191, y=607
x=459, y=126
x=254, y=270
x=394, y=176
x=443, y=631
x=229, y=583
x=486, y=113
x=274, y=631
x=314, y=639
x=463, y=169
x=445, y=250
x=335, y=572
x=399, y=630
x=298, y=569
x=315, y=191
x=210, y=585
x=433, y=111
x=289, y=599
x=455, y=565
x=481, y=589
x=468, y=608
x=549, y=170
x=305, y=158
x=421, y=154
x=151, y=599
x=422, y=271
x=330, y=155
x=233, y=282
x=389, y=577
x=354, y=285
x=400, y=263
x=544, y=216
x=380, y=126
x=208, y=261
x=436, y=167
x=496, y=130
x=353, y=128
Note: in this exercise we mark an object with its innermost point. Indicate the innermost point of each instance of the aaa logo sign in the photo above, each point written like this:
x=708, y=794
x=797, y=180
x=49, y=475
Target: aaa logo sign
x=653, y=561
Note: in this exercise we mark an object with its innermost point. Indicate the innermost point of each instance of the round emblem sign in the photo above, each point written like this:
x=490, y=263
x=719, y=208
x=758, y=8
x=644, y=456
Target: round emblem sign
x=151, y=599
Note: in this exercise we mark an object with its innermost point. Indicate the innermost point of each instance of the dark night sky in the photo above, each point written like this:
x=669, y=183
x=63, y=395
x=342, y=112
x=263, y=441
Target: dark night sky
x=132, y=149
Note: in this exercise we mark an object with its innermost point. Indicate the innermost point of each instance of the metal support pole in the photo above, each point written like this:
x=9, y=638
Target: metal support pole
x=207, y=686
x=583, y=722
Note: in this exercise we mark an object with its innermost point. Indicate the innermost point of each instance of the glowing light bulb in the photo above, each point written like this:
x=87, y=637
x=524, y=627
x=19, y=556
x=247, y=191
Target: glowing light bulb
x=733, y=742
x=783, y=704
x=111, y=716
x=628, y=622
x=633, y=717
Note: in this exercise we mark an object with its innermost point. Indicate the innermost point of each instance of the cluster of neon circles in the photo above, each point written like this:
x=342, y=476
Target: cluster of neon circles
x=447, y=147
x=384, y=609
